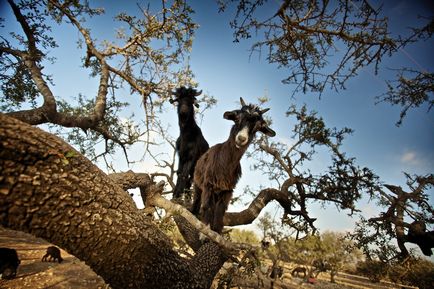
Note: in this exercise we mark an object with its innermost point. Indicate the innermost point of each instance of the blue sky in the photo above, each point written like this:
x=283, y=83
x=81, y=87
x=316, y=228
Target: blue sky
x=224, y=70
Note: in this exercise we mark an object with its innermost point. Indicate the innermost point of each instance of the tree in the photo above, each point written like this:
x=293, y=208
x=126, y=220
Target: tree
x=338, y=253
x=53, y=191
x=323, y=44
x=131, y=61
x=406, y=217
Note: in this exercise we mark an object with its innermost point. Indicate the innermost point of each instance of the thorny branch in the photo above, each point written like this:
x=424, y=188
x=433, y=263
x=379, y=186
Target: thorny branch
x=147, y=70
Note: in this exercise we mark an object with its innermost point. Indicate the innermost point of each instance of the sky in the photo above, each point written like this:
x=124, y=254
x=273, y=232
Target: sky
x=224, y=70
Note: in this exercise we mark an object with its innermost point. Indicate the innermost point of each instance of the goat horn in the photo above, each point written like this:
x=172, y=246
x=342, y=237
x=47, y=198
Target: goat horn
x=242, y=101
x=264, y=110
x=198, y=93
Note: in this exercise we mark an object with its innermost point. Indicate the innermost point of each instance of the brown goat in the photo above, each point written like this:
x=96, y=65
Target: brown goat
x=218, y=170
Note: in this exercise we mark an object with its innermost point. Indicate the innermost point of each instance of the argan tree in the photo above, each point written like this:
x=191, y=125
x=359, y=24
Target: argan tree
x=407, y=217
x=322, y=44
x=52, y=190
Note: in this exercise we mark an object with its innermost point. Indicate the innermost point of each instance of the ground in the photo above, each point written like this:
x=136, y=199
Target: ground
x=75, y=274
x=33, y=273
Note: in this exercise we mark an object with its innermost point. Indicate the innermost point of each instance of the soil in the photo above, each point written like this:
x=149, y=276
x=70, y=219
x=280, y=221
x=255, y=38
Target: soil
x=34, y=274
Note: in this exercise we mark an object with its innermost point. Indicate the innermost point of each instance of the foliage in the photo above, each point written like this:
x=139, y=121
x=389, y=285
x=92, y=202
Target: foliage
x=329, y=251
x=288, y=165
x=244, y=236
x=411, y=89
x=325, y=43
x=374, y=270
x=413, y=271
x=401, y=210
x=301, y=35
x=419, y=273
x=146, y=57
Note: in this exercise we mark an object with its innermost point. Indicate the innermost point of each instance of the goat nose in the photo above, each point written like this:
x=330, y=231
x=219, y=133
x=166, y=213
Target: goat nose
x=241, y=138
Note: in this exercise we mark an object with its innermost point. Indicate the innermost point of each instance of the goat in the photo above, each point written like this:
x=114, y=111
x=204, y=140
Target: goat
x=297, y=271
x=9, y=263
x=218, y=170
x=191, y=144
x=276, y=272
x=53, y=253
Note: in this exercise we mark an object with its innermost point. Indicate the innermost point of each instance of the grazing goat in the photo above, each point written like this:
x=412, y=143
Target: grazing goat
x=191, y=144
x=218, y=170
x=53, y=254
x=297, y=271
x=8, y=263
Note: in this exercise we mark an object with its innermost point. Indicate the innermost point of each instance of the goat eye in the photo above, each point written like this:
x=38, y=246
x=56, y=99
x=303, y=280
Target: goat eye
x=258, y=126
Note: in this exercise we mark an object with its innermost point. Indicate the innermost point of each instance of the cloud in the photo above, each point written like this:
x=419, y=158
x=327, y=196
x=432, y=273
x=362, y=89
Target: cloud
x=411, y=158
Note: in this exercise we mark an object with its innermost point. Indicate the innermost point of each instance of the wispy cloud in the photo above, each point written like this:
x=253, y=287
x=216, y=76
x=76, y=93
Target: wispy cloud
x=410, y=158
x=417, y=159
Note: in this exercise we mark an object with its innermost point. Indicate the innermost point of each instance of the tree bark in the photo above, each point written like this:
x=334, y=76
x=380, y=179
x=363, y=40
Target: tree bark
x=51, y=191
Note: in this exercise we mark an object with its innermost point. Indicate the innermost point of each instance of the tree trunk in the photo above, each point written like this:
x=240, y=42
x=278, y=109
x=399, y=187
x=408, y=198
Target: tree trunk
x=51, y=191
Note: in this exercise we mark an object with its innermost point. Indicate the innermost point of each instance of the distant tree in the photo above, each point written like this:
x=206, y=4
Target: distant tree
x=419, y=272
x=338, y=253
x=407, y=217
x=375, y=270
x=303, y=36
x=244, y=236
x=413, y=271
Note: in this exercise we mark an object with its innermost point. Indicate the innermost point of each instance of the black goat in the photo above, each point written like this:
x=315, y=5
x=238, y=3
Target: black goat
x=190, y=144
x=9, y=263
x=218, y=170
x=53, y=254
x=276, y=272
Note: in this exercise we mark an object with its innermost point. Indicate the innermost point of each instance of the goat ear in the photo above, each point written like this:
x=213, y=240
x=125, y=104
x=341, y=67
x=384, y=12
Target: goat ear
x=231, y=115
x=264, y=111
x=267, y=131
x=242, y=101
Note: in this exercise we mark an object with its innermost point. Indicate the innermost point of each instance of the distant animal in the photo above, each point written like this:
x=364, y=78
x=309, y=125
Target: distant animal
x=218, y=169
x=53, y=254
x=297, y=271
x=276, y=272
x=265, y=244
x=191, y=144
x=9, y=263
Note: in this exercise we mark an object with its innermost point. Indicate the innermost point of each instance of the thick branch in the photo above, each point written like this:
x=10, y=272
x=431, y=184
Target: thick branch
x=51, y=191
x=48, y=111
x=176, y=209
x=131, y=180
x=264, y=197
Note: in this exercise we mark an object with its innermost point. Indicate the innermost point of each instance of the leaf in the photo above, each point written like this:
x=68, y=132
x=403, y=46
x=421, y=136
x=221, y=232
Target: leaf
x=70, y=154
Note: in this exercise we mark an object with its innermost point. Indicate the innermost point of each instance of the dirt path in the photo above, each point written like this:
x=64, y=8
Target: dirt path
x=34, y=274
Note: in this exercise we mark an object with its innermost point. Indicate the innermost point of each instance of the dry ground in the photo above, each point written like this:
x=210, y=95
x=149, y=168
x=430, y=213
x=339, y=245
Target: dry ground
x=35, y=274
x=74, y=274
